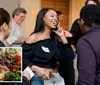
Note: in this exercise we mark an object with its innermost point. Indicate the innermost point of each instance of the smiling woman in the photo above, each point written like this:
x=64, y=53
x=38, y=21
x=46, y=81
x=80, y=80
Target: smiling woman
x=45, y=47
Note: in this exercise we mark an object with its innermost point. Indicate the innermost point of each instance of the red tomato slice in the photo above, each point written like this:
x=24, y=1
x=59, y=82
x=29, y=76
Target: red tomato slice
x=17, y=57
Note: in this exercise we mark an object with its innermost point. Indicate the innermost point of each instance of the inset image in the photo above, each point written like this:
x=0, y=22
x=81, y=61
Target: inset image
x=10, y=64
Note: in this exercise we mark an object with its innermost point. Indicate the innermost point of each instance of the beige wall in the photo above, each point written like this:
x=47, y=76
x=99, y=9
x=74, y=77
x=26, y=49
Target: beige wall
x=9, y=5
x=32, y=7
x=75, y=6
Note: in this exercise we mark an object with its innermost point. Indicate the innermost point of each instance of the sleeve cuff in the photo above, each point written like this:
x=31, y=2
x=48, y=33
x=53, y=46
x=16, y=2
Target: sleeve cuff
x=11, y=40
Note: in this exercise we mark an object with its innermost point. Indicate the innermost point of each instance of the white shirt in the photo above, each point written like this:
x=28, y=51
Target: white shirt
x=15, y=33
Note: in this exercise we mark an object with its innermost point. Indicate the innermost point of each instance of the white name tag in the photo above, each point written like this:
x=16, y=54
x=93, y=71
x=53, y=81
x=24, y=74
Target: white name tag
x=45, y=49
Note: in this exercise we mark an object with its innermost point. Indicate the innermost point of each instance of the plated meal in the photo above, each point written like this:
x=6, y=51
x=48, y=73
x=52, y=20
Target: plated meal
x=10, y=64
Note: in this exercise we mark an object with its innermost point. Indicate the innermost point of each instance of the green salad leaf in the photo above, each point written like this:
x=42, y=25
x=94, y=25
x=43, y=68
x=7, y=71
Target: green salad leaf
x=13, y=76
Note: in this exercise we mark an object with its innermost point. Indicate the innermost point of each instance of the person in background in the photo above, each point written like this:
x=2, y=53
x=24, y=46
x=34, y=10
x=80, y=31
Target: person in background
x=17, y=35
x=95, y=2
x=45, y=47
x=66, y=68
x=60, y=16
x=88, y=46
x=75, y=28
x=76, y=31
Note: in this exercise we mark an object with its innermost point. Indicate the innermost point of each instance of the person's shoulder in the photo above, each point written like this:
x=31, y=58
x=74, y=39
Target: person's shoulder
x=31, y=39
x=83, y=41
x=2, y=44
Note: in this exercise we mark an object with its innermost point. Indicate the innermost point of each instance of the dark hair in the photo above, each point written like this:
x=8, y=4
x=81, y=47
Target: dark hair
x=90, y=15
x=4, y=16
x=17, y=11
x=39, y=20
x=59, y=12
x=76, y=32
x=96, y=1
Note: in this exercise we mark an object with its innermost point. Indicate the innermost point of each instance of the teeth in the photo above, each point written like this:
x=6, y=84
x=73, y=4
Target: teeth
x=54, y=23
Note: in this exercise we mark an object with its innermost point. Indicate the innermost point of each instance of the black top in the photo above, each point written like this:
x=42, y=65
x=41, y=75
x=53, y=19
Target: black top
x=1, y=44
x=46, y=53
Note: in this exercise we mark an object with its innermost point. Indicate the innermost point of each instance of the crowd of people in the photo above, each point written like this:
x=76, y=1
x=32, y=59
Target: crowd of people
x=48, y=51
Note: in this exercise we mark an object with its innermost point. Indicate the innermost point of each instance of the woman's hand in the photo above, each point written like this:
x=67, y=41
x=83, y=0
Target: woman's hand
x=67, y=33
x=41, y=72
x=63, y=34
x=59, y=32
